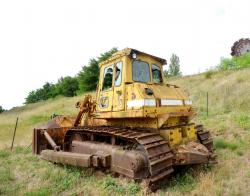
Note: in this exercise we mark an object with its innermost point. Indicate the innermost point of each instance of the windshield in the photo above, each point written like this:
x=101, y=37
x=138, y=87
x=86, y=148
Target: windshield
x=141, y=71
x=156, y=73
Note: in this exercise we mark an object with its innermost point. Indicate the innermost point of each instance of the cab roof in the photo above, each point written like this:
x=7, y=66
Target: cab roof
x=129, y=52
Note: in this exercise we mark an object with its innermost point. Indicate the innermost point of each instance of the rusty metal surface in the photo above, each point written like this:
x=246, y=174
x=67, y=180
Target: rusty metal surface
x=131, y=163
x=40, y=142
x=205, y=138
x=58, y=122
x=156, y=149
x=87, y=106
x=191, y=153
x=136, y=153
x=75, y=159
x=51, y=141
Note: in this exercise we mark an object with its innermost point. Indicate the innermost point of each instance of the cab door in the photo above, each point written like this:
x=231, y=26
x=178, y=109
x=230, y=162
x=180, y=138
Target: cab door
x=118, y=95
x=105, y=98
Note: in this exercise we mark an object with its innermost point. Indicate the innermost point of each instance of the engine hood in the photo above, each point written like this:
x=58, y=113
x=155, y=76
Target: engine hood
x=161, y=91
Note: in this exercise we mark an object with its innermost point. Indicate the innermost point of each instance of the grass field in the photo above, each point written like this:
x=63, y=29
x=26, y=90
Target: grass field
x=21, y=173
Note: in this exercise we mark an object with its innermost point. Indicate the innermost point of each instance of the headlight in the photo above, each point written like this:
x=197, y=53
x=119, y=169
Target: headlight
x=141, y=103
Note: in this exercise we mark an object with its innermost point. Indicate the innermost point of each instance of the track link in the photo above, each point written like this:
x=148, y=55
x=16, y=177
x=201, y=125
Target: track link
x=204, y=137
x=157, y=149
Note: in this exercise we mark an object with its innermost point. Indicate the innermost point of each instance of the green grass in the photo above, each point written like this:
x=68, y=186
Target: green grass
x=6, y=178
x=243, y=121
x=223, y=144
x=183, y=182
x=33, y=176
x=38, y=119
x=228, y=120
x=39, y=192
x=4, y=154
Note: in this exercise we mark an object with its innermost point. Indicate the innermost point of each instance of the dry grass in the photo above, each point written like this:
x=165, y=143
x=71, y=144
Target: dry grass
x=30, y=116
x=229, y=114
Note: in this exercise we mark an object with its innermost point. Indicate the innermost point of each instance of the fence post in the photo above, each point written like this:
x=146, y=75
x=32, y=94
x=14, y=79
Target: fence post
x=207, y=104
x=14, y=134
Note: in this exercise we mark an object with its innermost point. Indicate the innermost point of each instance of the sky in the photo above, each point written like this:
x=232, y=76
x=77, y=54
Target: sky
x=40, y=41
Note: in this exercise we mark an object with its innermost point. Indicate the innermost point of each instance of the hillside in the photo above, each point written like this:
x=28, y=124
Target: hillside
x=228, y=119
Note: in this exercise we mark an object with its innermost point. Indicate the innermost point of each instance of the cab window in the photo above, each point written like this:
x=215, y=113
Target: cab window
x=118, y=74
x=108, y=78
x=141, y=71
x=156, y=74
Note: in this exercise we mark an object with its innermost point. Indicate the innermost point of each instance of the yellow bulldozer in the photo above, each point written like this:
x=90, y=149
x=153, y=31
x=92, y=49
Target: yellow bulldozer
x=137, y=125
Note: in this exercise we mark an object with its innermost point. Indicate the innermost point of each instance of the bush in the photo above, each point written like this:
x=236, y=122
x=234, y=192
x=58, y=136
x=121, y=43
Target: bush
x=226, y=64
x=1, y=109
x=209, y=74
x=234, y=62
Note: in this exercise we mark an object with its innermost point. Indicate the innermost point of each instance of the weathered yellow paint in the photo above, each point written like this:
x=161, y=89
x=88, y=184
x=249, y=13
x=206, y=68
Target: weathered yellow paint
x=189, y=132
x=117, y=99
x=179, y=134
x=174, y=135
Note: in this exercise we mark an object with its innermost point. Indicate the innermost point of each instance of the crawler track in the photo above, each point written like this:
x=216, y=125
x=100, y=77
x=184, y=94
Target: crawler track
x=157, y=149
x=204, y=137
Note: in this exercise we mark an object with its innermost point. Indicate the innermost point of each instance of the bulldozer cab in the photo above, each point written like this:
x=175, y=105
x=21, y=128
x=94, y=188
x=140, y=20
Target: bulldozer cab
x=131, y=89
x=124, y=68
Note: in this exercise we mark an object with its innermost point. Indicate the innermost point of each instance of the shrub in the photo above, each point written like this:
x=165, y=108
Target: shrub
x=209, y=74
x=1, y=109
x=226, y=64
x=234, y=62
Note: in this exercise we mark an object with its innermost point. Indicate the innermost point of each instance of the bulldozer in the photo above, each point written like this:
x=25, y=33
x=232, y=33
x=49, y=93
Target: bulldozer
x=137, y=126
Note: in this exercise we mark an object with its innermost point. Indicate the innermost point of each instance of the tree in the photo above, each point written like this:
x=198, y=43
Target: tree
x=166, y=73
x=174, y=66
x=1, y=109
x=86, y=80
x=47, y=91
x=67, y=86
x=89, y=75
